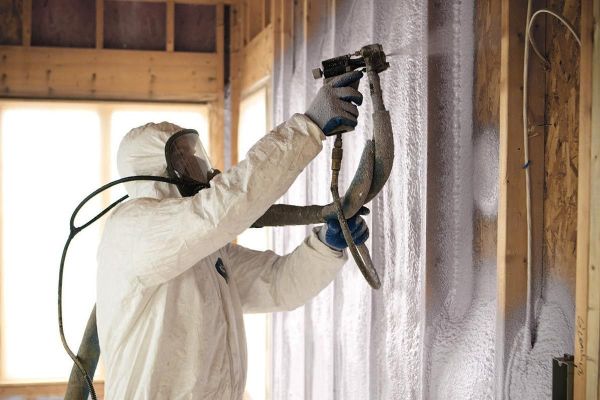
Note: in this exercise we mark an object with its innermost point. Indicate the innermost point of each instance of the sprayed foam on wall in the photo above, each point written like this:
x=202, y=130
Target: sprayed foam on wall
x=430, y=331
x=351, y=342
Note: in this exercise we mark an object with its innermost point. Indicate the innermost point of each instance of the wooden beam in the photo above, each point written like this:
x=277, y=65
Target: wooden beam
x=512, y=215
x=99, y=24
x=2, y=317
x=255, y=18
x=65, y=73
x=247, y=8
x=26, y=23
x=216, y=109
x=587, y=335
x=236, y=47
x=170, y=25
x=31, y=391
x=197, y=2
x=257, y=60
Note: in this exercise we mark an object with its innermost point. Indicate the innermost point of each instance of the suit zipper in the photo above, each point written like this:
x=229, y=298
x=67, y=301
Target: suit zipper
x=228, y=341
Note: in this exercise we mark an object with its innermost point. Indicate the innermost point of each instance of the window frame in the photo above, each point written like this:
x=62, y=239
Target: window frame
x=31, y=388
x=266, y=85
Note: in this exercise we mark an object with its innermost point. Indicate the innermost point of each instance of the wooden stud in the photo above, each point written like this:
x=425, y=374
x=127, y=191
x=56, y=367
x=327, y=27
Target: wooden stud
x=236, y=48
x=512, y=233
x=26, y=23
x=486, y=95
x=99, y=24
x=170, y=25
x=247, y=17
x=216, y=116
x=2, y=319
x=587, y=335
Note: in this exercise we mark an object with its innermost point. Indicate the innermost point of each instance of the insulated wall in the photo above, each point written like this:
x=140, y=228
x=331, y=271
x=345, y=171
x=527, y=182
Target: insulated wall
x=431, y=331
x=351, y=342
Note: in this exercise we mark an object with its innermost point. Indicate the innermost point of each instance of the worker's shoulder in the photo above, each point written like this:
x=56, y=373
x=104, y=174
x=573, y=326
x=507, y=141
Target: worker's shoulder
x=141, y=206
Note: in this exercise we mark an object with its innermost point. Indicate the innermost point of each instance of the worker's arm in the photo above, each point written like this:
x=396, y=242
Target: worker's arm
x=268, y=282
x=176, y=233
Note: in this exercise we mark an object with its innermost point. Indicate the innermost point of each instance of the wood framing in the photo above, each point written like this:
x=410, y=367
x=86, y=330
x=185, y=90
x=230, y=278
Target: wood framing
x=257, y=60
x=170, y=25
x=512, y=215
x=235, y=74
x=99, y=24
x=64, y=73
x=197, y=2
x=217, y=106
x=26, y=23
x=587, y=335
x=33, y=391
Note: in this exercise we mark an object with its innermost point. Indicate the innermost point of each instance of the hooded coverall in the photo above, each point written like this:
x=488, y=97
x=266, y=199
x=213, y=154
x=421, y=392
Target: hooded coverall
x=172, y=287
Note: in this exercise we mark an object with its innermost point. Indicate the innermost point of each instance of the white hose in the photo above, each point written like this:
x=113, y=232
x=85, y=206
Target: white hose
x=528, y=39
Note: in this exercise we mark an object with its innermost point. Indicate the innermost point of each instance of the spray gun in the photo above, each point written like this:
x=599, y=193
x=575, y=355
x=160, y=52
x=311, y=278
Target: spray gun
x=373, y=60
x=370, y=57
x=374, y=168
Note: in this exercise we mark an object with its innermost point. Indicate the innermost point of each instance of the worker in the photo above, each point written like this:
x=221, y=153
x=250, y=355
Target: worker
x=172, y=286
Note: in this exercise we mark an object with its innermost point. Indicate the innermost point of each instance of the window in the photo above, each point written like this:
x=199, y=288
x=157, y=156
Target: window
x=252, y=126
x=51, y=156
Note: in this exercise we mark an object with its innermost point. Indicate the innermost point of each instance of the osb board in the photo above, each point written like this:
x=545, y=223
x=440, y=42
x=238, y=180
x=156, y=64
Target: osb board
x=135, y=25
x=64, y=23
x=107, y=74
x=10, y=21
x=486, y=107
x=561, y=145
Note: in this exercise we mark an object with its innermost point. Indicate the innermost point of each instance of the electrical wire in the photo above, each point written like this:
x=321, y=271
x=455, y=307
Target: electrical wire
x=532, y=41
x=529, y=319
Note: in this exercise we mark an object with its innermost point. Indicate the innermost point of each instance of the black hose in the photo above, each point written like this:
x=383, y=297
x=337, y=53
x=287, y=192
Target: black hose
x=74, y=230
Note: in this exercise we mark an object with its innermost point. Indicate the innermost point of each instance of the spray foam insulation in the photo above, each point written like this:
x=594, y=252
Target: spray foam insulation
x=430, y=331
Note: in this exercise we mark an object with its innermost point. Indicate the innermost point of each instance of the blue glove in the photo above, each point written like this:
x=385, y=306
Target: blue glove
x=332, y=108
x=331, y=233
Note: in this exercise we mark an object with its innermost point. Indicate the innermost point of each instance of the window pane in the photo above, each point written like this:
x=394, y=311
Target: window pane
x=253, y=126
x=50, y=161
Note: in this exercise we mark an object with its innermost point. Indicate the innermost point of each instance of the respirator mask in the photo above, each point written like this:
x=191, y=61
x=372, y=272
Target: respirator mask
x=188, y=163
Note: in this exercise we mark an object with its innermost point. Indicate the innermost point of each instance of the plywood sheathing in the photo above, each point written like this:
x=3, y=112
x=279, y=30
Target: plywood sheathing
x=10, y=21
x=561, y=147
x=135, y=25
x=64, y=23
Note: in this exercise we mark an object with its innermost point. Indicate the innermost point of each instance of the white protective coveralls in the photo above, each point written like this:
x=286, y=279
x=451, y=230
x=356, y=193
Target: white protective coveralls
x=170, y=325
